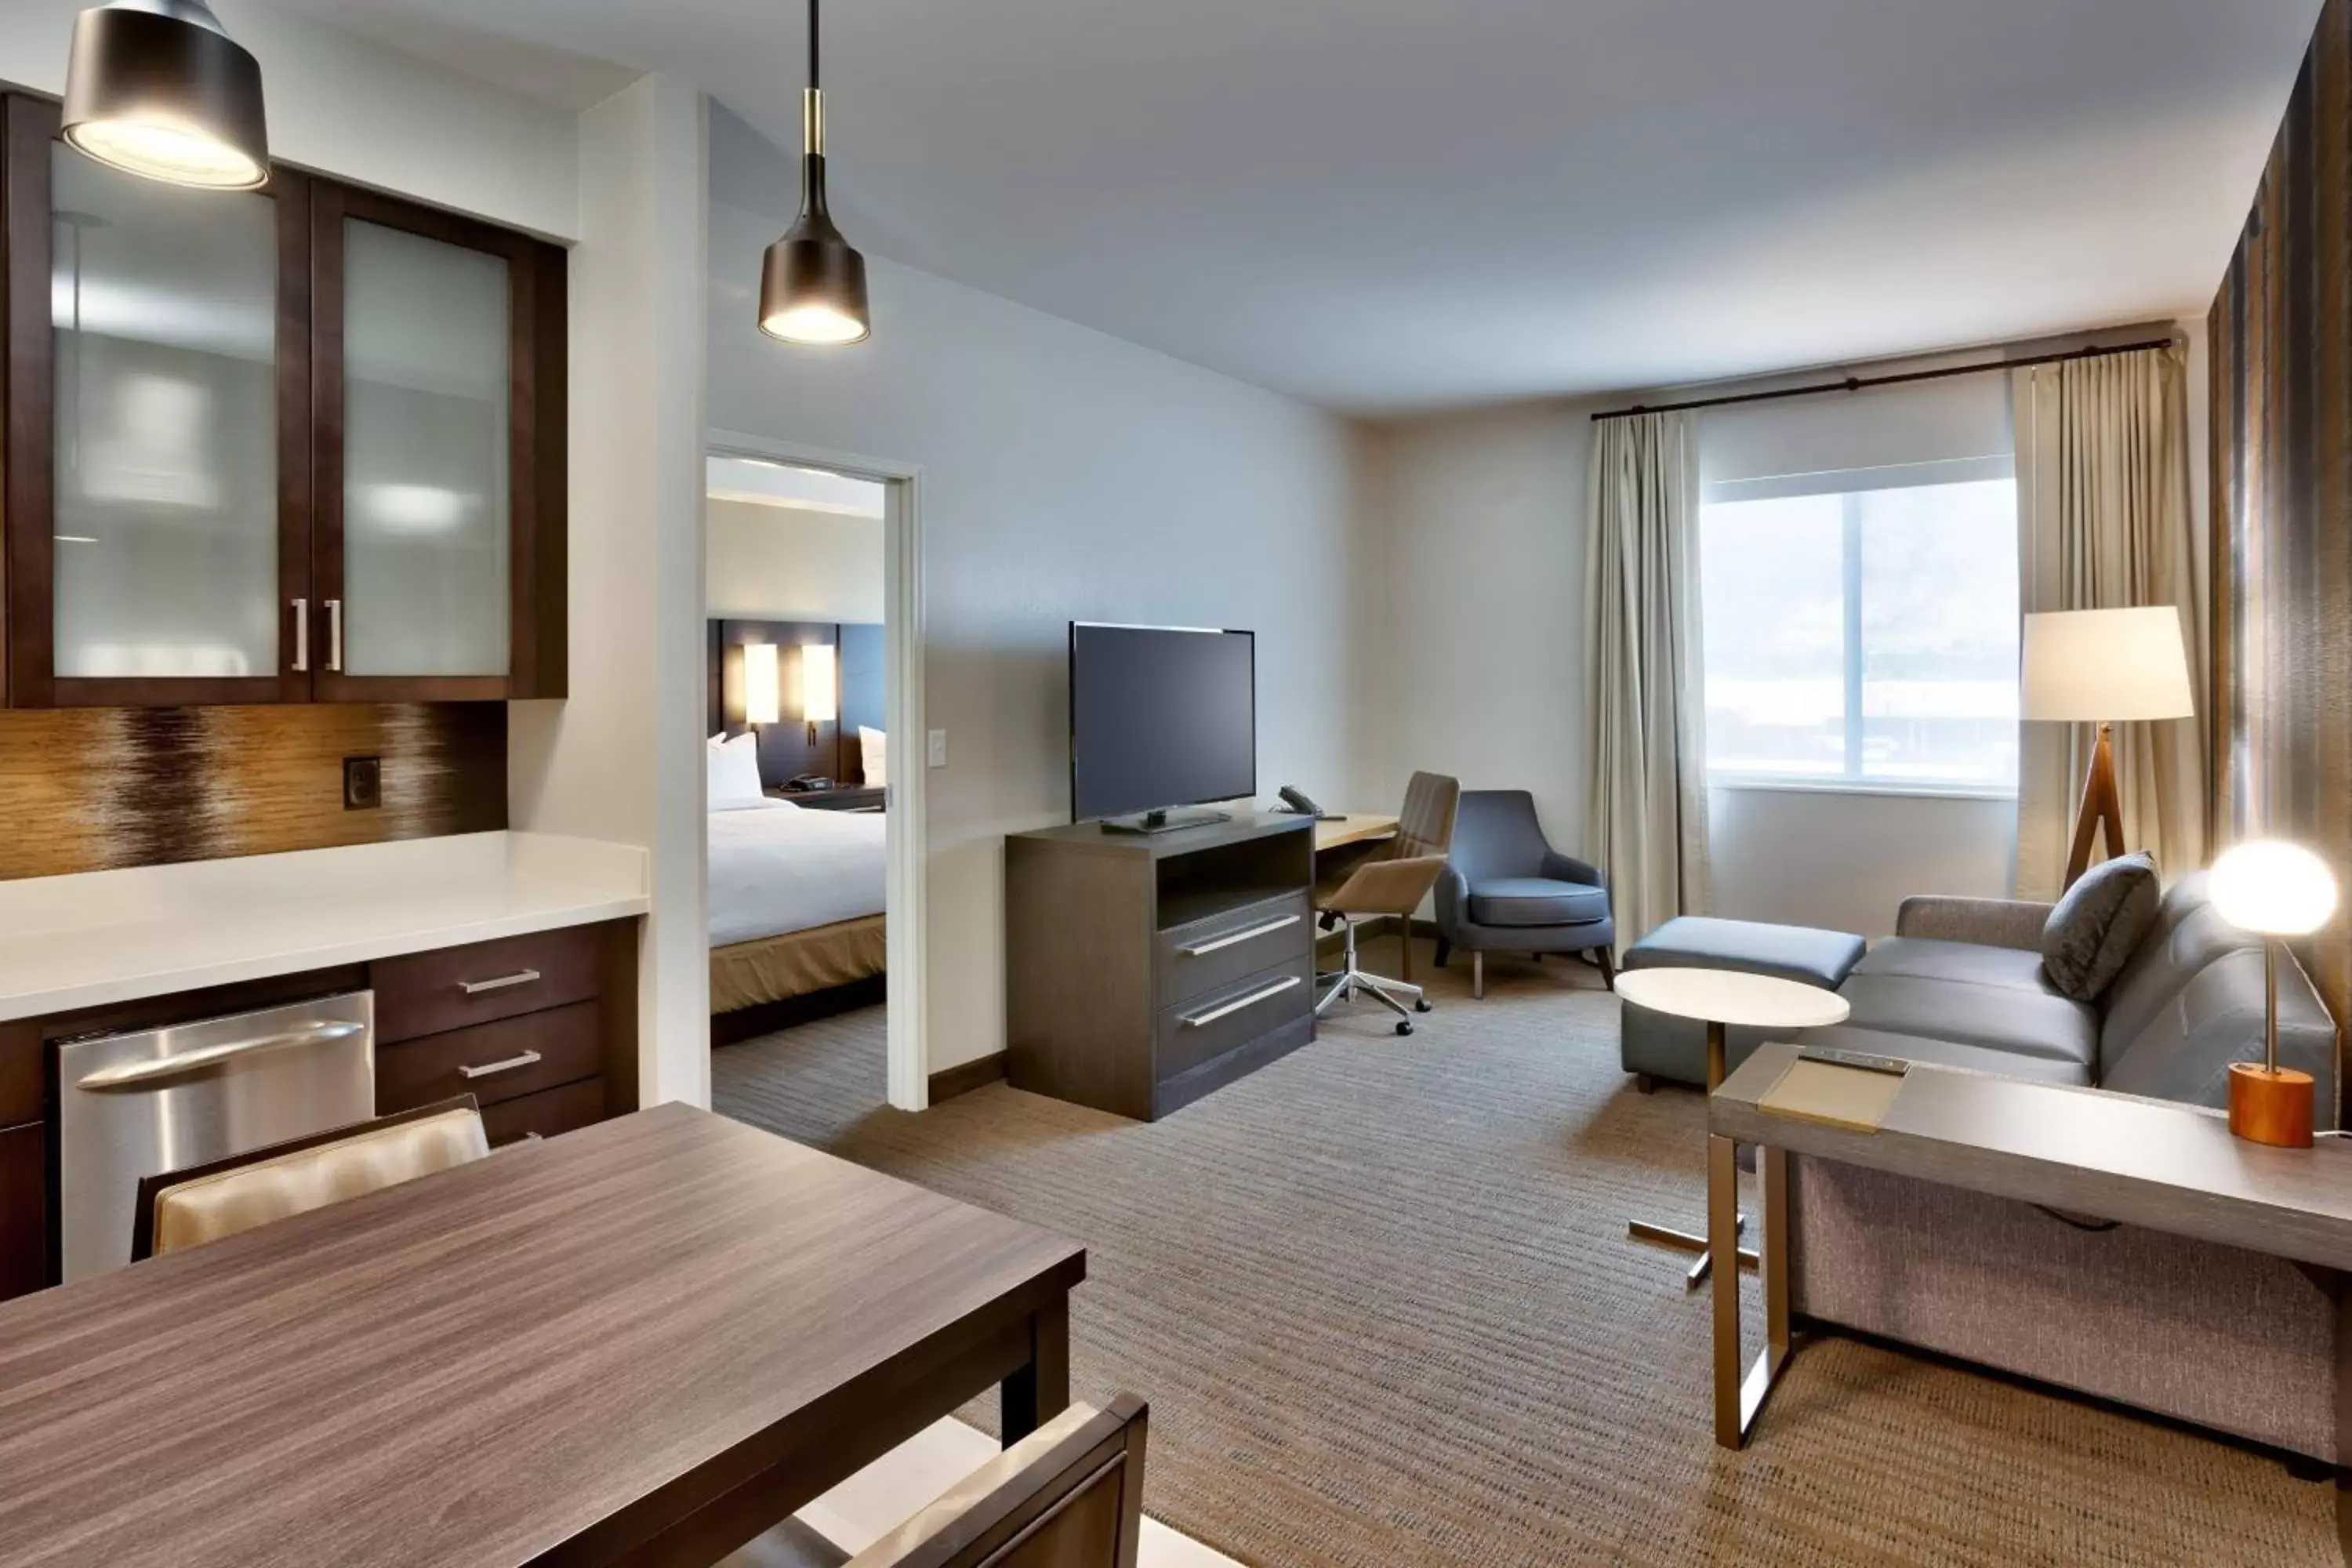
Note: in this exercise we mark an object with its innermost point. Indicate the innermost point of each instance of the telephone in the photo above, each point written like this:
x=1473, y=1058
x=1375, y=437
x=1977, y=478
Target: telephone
x=808, y=783
x=1298, y=804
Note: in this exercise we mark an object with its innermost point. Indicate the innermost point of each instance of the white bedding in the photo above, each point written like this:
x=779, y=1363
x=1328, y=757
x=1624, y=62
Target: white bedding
x=781, y=868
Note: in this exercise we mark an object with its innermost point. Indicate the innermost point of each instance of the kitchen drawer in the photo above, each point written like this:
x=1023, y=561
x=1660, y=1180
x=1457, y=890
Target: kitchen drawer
x=549, y=1112
x=1211, y=954
x=20, y=1073
x=425, y=993
x=1206, y=1028
x=565, y=1041
x=24, y=1210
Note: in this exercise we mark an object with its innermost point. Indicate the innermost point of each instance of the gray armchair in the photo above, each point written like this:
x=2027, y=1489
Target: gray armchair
x=1505, y=890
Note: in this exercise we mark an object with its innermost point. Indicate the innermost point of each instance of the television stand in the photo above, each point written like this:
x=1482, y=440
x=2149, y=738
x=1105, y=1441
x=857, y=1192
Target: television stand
x=1163, y=821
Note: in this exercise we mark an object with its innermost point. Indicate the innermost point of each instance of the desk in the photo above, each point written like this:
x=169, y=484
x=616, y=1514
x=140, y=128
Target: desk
x=1355, y=827
x=2169, y=1167
x=646, y=1340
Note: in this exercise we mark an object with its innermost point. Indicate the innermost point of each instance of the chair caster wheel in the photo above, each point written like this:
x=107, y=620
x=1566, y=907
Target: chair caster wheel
x=1422, y=1005
x=1405, y=1028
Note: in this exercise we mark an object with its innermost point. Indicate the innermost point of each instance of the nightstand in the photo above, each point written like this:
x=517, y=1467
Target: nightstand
x=842, y=797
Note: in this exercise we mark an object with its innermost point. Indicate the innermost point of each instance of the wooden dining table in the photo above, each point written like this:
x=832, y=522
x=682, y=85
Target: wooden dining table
x=645, y=1341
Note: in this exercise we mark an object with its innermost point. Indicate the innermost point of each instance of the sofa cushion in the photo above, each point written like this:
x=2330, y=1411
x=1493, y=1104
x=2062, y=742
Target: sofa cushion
x=2098, y=924
x=1801, y=953
x=1536, y=901
x=1948, y=1054
x=2152, y=983
x=1996, y=1017
x=2216, y=1018
x=1931, y=958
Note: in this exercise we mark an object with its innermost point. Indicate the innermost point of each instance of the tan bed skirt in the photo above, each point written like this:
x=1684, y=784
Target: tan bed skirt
x=772, y=968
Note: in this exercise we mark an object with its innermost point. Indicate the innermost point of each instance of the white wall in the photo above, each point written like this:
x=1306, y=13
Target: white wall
x=621, y=759
x=1844, y=861
x=343, y=106
x=788, y=563
x=1065, y=474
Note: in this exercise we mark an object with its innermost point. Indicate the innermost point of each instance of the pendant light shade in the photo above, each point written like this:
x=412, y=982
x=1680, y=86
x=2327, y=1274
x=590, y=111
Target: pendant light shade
x=812, y=282
x=157, y=88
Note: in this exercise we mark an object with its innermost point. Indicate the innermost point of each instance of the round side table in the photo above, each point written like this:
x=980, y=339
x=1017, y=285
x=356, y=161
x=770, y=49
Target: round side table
x=1719, y=998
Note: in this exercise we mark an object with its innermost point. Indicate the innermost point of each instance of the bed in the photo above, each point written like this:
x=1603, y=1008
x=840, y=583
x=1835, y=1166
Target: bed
x=796, y=900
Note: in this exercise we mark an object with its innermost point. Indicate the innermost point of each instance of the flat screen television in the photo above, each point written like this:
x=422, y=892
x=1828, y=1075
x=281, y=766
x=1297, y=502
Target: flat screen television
x=1161, y=717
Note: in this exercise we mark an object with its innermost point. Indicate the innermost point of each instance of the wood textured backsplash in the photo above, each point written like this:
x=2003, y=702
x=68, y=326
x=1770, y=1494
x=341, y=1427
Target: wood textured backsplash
x=87, y=789
x=2281, y=407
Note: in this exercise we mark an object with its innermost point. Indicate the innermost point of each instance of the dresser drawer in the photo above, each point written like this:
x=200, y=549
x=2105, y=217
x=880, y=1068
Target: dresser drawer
x=426, y=993
x=1206, y=1028
x=547, y=1114
x=492, y=1062
x=1209, y=955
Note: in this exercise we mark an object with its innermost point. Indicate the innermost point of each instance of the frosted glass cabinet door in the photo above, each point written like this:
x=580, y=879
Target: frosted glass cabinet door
x=163, y=430
x=427, y=483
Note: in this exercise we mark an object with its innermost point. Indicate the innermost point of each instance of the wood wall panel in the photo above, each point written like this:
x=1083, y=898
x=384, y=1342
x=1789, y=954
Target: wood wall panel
x=2281, y=333
x=87, y=789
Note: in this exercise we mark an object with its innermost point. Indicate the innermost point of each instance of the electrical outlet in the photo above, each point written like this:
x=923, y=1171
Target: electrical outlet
x=939, y=748
x=362, y=784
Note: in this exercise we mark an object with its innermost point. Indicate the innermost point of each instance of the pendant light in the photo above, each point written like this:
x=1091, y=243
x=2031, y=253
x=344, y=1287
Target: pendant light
x=159, y=89
x=813, y=284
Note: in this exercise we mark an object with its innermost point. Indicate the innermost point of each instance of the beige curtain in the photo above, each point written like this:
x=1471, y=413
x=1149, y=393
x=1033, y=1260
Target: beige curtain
x=2104, y=523
x=1647, y=797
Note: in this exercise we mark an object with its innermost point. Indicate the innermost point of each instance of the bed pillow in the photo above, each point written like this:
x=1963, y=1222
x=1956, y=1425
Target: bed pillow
x=733, y=775
x=873, y=751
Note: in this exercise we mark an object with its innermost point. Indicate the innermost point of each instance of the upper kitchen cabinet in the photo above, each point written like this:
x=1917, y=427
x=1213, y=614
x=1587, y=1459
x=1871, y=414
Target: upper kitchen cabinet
x=303, y=443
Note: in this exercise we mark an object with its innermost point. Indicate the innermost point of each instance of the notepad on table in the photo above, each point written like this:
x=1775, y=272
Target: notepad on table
x=1852, y=1098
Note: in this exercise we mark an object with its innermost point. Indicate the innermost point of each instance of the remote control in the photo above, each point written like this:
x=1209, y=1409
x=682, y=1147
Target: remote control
x=1894, y=1065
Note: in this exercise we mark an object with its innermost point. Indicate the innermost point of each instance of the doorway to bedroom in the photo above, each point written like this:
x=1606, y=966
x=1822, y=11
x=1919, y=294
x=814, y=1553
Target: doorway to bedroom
x=810, y=681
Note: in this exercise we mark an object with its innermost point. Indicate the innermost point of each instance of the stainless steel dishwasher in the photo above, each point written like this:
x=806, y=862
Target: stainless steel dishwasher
x=139, y=1103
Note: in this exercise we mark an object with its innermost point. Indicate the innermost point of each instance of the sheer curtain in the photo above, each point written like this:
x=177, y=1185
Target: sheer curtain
x=2103, y=521
x=1647, y=801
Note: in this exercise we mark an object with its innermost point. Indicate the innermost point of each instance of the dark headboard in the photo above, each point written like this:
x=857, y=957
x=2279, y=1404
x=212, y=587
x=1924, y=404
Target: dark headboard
x=784, y=749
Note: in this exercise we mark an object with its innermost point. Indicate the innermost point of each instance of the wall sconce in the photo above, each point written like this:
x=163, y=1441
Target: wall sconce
x=762, y=690
x=820, y=687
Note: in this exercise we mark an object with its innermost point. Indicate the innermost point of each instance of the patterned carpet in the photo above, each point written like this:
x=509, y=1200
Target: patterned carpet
x=1380, y=1300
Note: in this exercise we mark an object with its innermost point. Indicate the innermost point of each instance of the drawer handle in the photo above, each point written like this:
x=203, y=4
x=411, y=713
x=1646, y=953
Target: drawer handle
x=519, y=977
x=529, y=1058
x=1202, y=949
x=1263, y=993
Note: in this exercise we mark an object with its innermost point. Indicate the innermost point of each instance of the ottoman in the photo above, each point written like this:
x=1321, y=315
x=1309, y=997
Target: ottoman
x=1655, y=1045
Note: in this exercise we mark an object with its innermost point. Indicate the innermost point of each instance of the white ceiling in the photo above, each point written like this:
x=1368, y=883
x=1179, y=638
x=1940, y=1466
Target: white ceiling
x=1380, y=206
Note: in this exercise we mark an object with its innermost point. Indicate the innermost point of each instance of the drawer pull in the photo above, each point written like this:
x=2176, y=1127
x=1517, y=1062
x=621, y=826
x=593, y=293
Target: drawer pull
x=519, y=977
x=1233, y=939
x=529, y=1058
x=1263, y=993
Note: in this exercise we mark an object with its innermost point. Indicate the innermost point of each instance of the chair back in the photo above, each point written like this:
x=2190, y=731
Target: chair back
x=1498, y=836
x=179, y=1209
x=1425, y=827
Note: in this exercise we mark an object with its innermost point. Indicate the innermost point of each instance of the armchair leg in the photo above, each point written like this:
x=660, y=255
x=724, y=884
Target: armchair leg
x=1444, y=951
x=1608, y=968
x=1478, y=977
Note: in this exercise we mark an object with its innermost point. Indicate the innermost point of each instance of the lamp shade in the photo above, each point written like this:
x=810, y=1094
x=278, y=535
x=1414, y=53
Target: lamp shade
x=2099, y=666
x=2274, y=887
x=820, y=694
x=762, y=691
x=157, y=88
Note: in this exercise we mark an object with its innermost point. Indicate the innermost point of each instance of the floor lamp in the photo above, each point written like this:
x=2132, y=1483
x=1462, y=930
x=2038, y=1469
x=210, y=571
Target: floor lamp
x=2104, y=667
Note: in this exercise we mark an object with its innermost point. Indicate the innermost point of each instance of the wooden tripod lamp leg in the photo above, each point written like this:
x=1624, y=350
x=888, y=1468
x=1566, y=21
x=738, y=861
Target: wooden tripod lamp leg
x=2100, y=804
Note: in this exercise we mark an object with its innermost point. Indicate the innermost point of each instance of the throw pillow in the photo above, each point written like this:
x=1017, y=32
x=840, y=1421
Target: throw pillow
x=2097, y=925
x=873, y=752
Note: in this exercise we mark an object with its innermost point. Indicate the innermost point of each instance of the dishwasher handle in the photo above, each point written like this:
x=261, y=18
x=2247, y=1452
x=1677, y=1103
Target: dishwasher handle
x=136, y=1075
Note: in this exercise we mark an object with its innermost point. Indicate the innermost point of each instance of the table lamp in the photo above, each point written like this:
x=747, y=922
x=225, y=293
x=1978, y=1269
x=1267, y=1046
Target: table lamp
x=2104, y=667
x=2275, y=889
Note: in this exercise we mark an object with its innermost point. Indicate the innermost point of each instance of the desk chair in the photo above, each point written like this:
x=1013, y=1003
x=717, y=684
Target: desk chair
x=211, y=1202
x=1069, y=1495
x=1392, y=881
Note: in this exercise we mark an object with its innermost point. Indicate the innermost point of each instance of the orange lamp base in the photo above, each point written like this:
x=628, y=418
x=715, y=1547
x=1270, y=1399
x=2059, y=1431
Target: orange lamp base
x=2271, y=1105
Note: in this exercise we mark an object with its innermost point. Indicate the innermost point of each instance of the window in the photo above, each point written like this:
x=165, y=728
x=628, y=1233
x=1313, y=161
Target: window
x=1863, y=635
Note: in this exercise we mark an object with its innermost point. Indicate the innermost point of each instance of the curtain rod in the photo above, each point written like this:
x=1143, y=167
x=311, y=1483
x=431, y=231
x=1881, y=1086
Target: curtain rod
x=1857, y=383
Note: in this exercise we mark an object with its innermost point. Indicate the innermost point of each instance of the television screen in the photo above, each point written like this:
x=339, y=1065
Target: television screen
x=1159, y=716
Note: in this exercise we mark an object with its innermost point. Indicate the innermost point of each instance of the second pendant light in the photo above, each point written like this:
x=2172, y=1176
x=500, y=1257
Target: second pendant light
x=812, y=282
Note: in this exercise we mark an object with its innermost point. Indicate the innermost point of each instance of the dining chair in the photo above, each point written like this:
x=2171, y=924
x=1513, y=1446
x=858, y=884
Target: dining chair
x=179, y=1209
x=1392, y=883
x=1069, y=1495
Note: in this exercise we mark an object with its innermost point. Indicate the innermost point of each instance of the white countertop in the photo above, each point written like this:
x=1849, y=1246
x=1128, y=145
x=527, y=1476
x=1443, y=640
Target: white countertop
x=102, y=937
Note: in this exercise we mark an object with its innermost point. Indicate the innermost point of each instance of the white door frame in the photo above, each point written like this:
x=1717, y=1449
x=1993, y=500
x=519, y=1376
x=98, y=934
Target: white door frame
x=905, y=831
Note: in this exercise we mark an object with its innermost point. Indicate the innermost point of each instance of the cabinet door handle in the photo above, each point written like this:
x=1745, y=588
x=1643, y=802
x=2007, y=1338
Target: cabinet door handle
x=519, y=977
x=302, y=637
x=529, y=1058
x=334, y=634
x=1233, y=939
x=1263, y=993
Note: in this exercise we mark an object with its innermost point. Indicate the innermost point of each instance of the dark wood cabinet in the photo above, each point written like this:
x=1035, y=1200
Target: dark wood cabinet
x=23, y=1209
x=304, y=444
